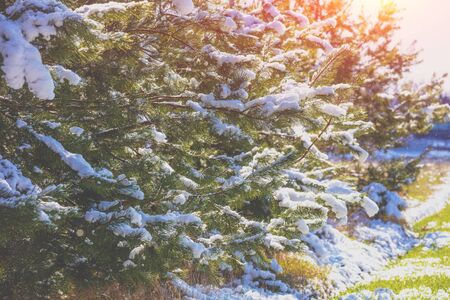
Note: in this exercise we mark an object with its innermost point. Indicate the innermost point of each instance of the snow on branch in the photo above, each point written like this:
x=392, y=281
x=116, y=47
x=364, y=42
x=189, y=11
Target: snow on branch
x=26, y=20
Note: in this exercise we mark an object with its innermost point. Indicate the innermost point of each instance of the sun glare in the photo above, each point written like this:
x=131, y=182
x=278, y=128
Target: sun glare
x=369, y=6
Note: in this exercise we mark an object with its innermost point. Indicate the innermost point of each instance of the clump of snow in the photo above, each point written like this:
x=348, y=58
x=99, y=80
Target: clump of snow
x=22, y=63
x=196, y=248
x=228, y=104
x=189, y=183
x=128, y=264
x=321, y=42
x=370, y=207
x=229, y=25
x=183, y=7
x=291, y=97
x=51, y=124
x=301, y=19
x=76, y=130
x=21, y=123
x=437, y=201
x=159, y=136
x=64, y=74
x=338, y=206
x=125, y=230
x=37, y=170
x=225, y=91
x=302, y=226
x=17, y=190
x=12, y=182
x=436, y=240
x=390, y=203
x=75, y=161
x=333, y=110
x=181, y=198
x=222, y=58
x=100, y=9
x=290, y=198
x=254, y=277
x=277, y=66
x=277, y=26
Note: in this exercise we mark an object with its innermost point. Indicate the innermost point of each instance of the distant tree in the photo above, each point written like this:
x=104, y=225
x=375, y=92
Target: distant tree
x=396, y=106
x=445, y=99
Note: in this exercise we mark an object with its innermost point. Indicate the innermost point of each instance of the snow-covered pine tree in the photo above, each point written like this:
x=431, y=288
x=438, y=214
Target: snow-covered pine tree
x=216, y=115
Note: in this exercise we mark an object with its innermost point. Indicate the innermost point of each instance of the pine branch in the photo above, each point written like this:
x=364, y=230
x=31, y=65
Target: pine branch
x=330, y=64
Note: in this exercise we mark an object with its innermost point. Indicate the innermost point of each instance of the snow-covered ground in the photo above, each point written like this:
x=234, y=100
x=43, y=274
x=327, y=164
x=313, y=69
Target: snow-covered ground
x=360, y=252
x=436, y=202
x=355, y=254
x=438, y=141
x=354, y=257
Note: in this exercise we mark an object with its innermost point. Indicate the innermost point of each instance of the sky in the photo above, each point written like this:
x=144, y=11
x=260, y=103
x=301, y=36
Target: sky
x=427, y=22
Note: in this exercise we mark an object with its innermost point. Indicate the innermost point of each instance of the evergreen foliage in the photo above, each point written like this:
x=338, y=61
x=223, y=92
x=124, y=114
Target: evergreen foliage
x=138, y=138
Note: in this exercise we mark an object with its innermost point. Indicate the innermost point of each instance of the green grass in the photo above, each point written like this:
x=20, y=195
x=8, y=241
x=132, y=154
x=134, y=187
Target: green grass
x=429, y=177
x=418, y=253
x=439, y=219
x=414, y=256
x=398, y=284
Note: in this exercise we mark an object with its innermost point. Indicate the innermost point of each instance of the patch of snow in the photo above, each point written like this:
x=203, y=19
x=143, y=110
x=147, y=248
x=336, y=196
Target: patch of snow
x=196, y=248
x=333, y=110
x=421, y=292
x=222, y=58
x=302, y=226
x=125, y=230
x=183, y=7
x=411, y=271
x=229, y=25
x=17, y=190
x=76, y=130
x=22, y=63
x=64, y=74
x=390, y=203
x=102, y=8
x=321, y=42
x=13, y=184
x=37, y=170
x=348, y=258
x=435, y=203
x=436, y=240
x=75, y=161
x=51, y=125
x=159, y=136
